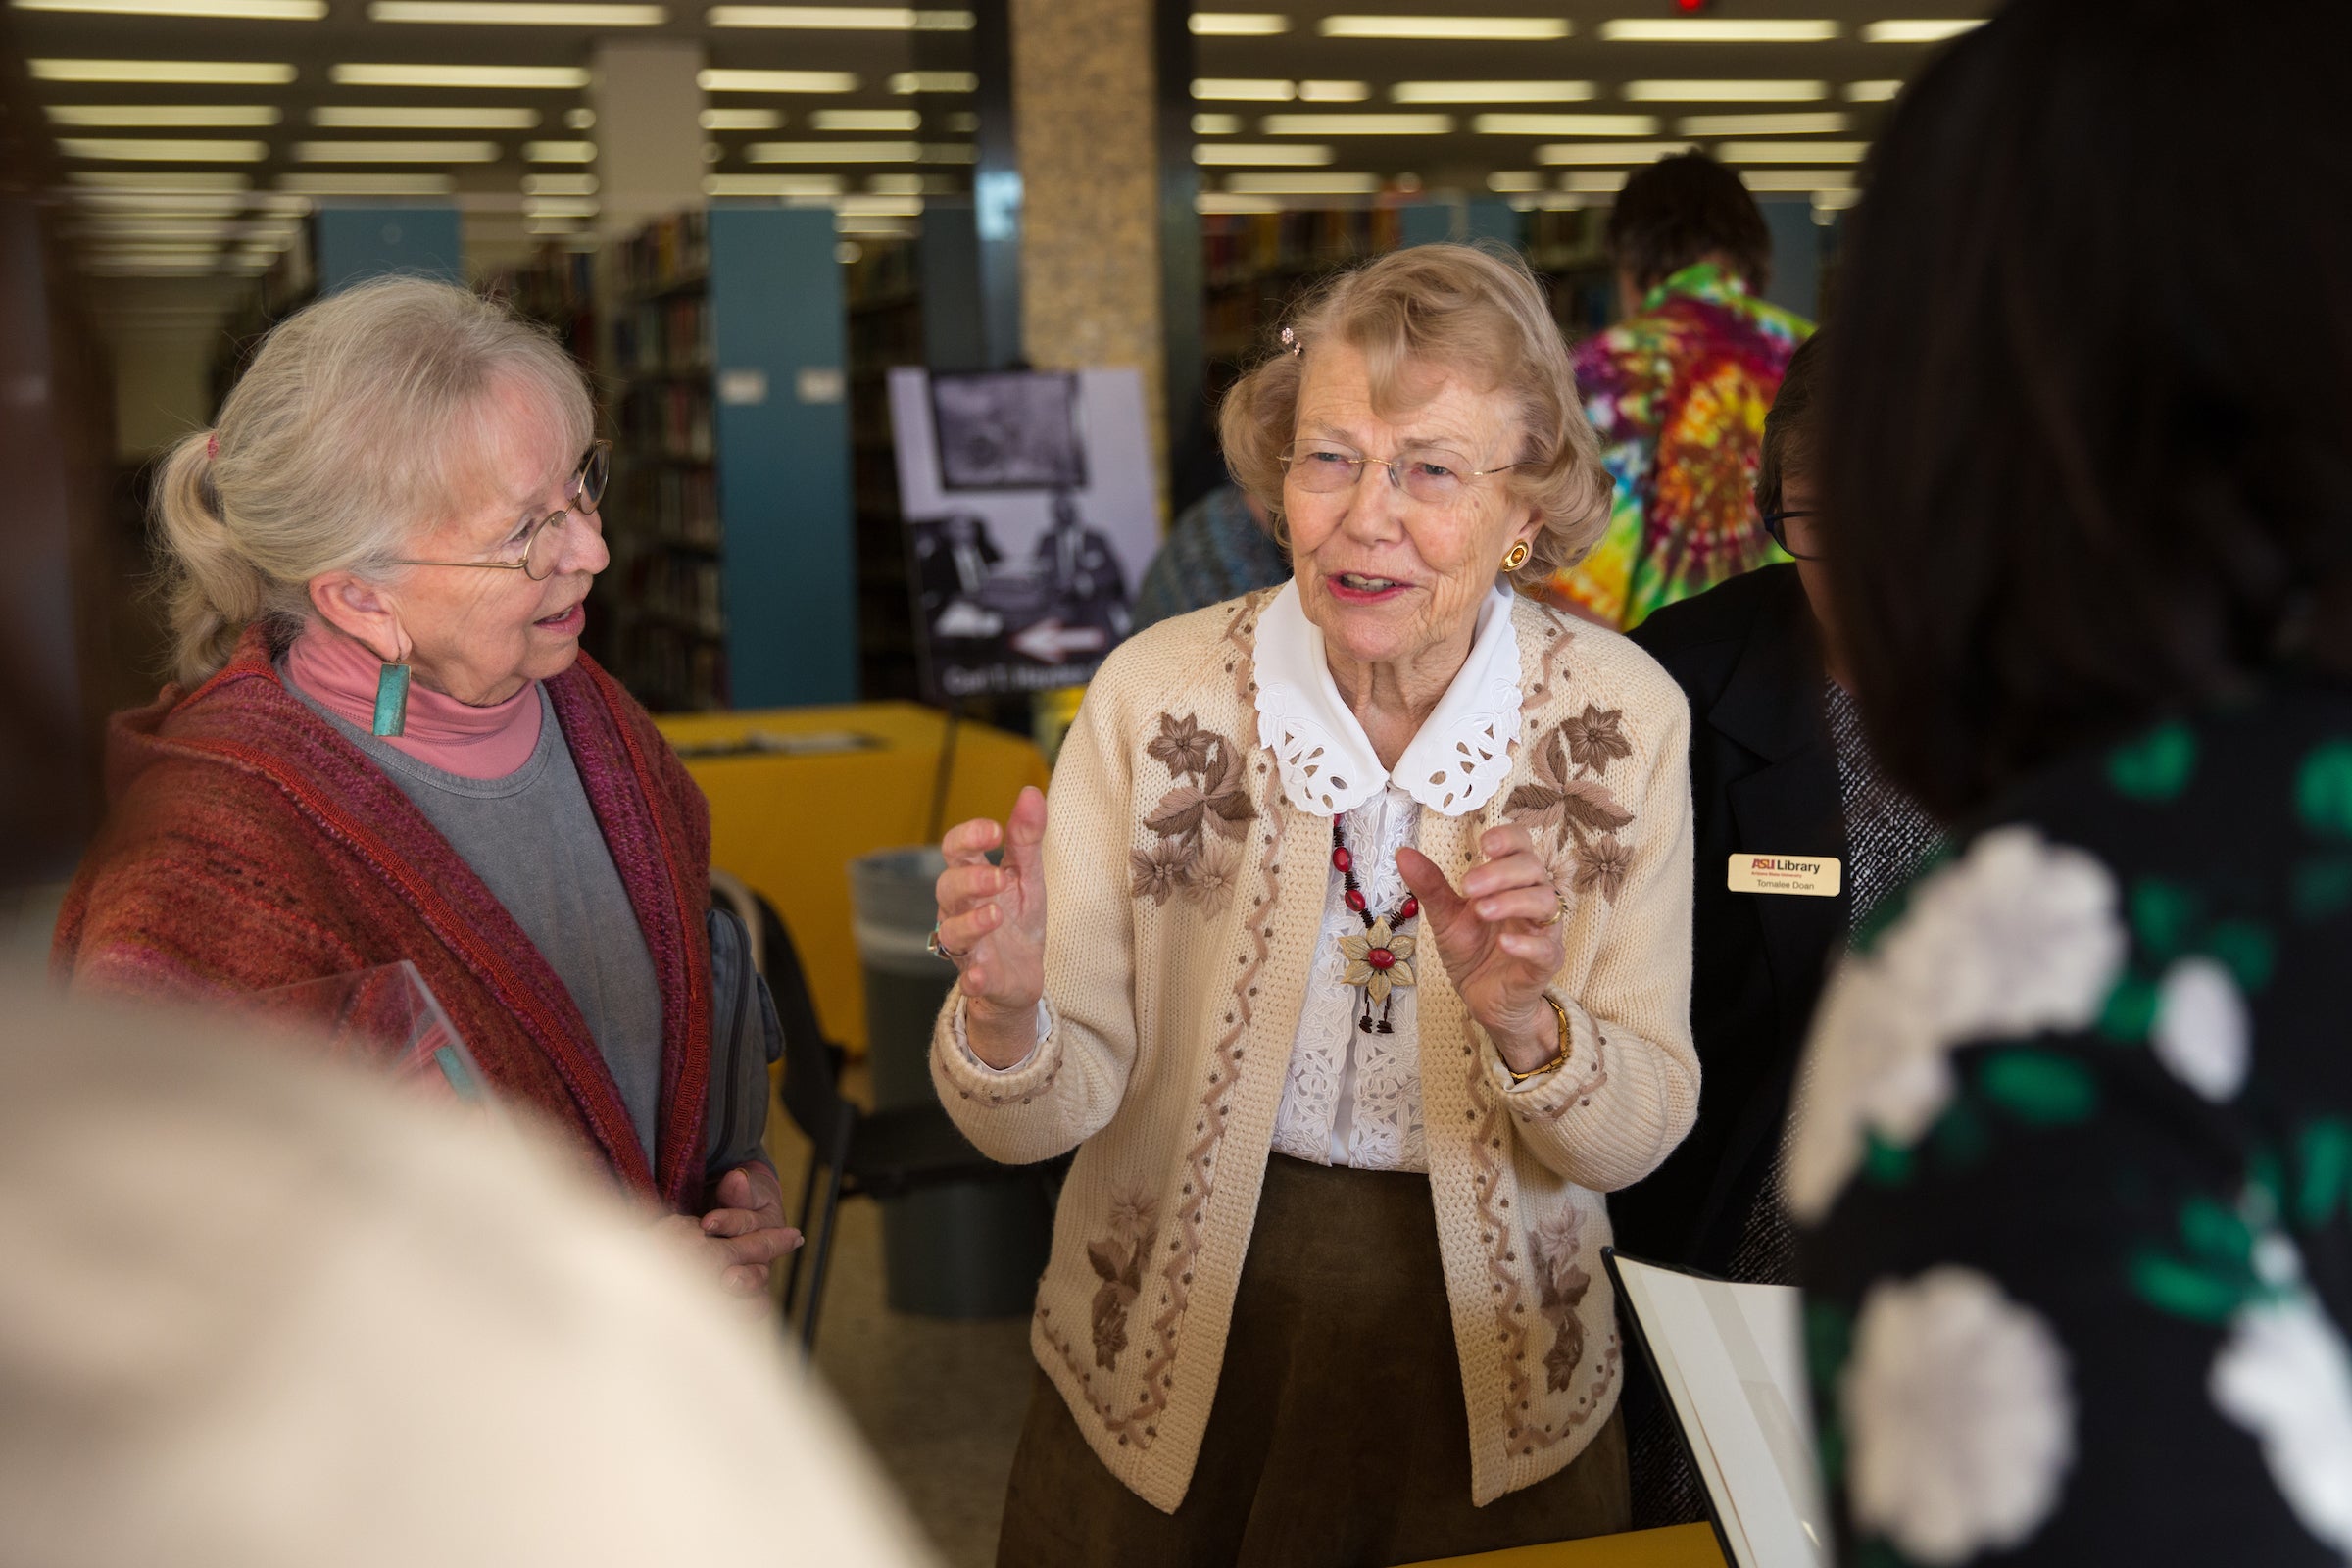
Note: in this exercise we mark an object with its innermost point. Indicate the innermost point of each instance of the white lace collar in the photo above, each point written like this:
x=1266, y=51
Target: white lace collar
x=1453, y=765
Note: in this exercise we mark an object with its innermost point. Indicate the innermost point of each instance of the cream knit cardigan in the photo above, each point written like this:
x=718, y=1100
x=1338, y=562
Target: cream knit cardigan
x=1185, y=895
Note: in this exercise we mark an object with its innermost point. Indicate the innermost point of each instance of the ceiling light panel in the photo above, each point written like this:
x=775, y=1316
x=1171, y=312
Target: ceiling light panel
x=154, y=182
x=1216, y=124
x=1492, y=92
x=1872, y=92
x=907, y=83
x=1228, y=154
x=771, y=184
x=1356, y=124
x=1919, y=30
x=1794, y=179
x=1729, y=91
x=559, y=184
x=776, y=81
x=407, y=117
x=1334, y=93
x=1302, y=184
x=743, y=120
x=1594, y=181
x=1792, y=152
x=1565, y=124
x=154, y=115
x=244, y=10
x=866, y=119
x=517, y=13
x=366, y=185
x=396, y=152
x=1514, y=181
x=1239, y=24
x=1244, y=90
x=1716, y=29
x=833, y=152
x=160, y=150
x=840, y=19
x=1511, y=29
x=527, y=78
x=188, y=72
x=1609, y=152
x=1830, y=124
x=559, y=152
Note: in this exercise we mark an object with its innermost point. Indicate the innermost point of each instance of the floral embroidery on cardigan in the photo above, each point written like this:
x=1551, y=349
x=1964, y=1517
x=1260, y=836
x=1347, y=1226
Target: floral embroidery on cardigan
x=1568, y=800
x=1118, y=1258
x=1198, y=820
x=1560, y=1287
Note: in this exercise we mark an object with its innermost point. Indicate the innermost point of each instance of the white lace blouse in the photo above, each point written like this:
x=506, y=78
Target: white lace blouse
x=1354, y=1098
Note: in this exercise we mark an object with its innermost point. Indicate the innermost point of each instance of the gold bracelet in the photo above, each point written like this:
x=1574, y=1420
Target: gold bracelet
x=1558, y=1061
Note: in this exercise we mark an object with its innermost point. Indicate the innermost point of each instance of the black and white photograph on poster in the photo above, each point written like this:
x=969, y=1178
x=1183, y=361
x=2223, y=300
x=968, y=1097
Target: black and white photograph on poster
x=1030, y=515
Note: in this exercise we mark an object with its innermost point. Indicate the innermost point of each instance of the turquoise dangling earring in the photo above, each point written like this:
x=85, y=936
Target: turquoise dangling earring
x=392, y=701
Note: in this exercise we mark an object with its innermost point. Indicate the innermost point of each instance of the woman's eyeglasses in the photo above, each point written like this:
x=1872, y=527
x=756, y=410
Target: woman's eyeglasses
x=1431, y=475
x=541, y=543
x=1797, y=531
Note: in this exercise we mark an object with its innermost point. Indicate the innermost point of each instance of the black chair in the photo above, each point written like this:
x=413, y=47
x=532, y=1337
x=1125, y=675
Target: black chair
x=857, y=1153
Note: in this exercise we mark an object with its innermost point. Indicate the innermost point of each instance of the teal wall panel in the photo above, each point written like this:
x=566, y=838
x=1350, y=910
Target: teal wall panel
x=355, y=243
x=781, y=393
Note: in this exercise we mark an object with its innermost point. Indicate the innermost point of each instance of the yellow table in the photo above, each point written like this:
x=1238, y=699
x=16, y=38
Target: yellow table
x=1679, y=1546
x=789, y=825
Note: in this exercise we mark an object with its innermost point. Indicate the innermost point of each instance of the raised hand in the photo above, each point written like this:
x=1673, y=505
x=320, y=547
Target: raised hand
x=992, y=922
x=1499, y=938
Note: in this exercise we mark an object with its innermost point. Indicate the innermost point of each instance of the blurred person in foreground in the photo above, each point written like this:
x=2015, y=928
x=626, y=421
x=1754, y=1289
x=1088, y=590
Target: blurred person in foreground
x=1676, y=391
x=1780, y=771
x=1219, y=549
x=384, y=743
x=1366, y=975
x=2075, y=1124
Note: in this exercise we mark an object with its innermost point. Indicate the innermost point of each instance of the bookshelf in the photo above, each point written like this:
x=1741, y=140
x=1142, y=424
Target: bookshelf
x=885, y=304
x=731, y=582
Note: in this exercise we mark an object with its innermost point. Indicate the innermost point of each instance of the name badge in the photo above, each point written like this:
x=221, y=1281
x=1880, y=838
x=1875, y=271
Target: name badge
x=1818, y=876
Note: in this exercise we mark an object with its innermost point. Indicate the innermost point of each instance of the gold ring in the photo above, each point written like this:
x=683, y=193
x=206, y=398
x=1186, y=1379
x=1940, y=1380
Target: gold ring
x=1559, y=912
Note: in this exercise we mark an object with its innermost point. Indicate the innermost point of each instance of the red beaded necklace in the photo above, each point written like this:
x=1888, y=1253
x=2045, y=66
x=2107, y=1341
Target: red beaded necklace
x=1380, y=961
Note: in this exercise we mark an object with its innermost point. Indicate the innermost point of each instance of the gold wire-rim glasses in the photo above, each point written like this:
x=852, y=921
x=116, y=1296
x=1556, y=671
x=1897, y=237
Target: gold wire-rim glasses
x=1414, y=481
x=585, y=493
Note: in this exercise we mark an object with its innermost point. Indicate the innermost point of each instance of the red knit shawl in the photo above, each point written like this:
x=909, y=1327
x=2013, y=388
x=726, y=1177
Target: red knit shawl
x=250, y=846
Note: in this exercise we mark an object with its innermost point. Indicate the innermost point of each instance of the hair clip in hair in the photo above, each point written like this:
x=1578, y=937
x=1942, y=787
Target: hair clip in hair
x=1290, y=342
x=212, y=446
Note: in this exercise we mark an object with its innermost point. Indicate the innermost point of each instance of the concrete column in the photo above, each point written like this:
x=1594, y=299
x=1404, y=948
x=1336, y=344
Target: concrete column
x=1086, y=122
x=648, y=131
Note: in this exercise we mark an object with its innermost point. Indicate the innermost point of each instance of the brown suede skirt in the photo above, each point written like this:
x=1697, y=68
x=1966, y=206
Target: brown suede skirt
x=1339, y=1436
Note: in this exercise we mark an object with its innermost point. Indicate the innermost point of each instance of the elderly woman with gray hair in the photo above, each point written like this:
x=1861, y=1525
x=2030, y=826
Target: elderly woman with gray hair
x=384, y=743
x=1353, y=958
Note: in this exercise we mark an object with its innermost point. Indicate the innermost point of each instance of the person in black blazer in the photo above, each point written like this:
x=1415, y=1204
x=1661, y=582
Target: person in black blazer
x=1780, y=772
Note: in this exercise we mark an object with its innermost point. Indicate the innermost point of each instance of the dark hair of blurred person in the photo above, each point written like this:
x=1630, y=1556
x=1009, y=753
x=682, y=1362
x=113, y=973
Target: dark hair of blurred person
x=2076, y=1126
x=1681, y=210
x=1779, y=769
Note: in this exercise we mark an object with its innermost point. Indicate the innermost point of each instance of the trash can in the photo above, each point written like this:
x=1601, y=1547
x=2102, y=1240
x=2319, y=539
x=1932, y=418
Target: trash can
x=966, y=1250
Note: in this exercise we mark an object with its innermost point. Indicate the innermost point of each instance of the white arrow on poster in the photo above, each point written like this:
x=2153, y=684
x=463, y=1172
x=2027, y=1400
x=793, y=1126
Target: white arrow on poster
x=1028, y=499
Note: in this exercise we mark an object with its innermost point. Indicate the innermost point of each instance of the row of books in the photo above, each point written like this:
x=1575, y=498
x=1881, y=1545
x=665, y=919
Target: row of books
x=663, y=337
x=667, y=419
x=666, y=253
x=1236, y=247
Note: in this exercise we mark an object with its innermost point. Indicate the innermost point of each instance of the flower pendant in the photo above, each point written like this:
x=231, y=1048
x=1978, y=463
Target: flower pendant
x=1378, y=962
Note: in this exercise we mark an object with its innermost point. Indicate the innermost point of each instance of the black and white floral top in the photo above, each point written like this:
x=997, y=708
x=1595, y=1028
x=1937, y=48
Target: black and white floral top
x=2076, y=1146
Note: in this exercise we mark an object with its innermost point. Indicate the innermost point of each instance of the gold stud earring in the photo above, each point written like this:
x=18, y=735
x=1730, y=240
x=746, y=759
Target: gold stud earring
x=1515, y=556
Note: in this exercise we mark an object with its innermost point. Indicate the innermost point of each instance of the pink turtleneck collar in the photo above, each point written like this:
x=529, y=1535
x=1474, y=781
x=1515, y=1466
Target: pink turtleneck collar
x=341, y=675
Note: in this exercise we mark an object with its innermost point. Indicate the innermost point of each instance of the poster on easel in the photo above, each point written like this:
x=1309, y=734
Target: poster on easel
x=1030, y=515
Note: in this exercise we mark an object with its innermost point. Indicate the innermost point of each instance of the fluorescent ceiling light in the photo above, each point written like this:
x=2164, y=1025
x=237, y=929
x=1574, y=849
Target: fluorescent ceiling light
x=366, y=185
x=189, y=73
x=867, y=119
x=898, y=184
x=537, y=78
x=1911, y=31
x=840, y=19
x=1565, y=124
x=1245, y=89
x=136, y=226
x=833, y=152
x=559, y=184
x=1788, y=179
x=518, y=12
x=1515, y=181
x=1836, y=201
x=154, y=182
x=1216, y=124
x=1792, y=152
x=396, y=152
x=245, y=10
x=1594, y=182
x=1744, y=91
x=579, y=118
x=86, y=115
x=1830, y=124
x=776, y=82
x=1334, y=93
x=169, y=203
x=403, y=117
x=559, y=207
x=1609, y=152
x=771, y=184
x=906, y=84
x=1230, y=153
x=877, y=227
x=1239, y=24
x=1715, y=29
x=881, y=206
x=156, y=149
x=1491, y=93
x=1302, y=184
x=559, y=152
x=1872, y=92
x=742, y=119
x=1517, y=29
x=1356, y=124
x=1213, y=201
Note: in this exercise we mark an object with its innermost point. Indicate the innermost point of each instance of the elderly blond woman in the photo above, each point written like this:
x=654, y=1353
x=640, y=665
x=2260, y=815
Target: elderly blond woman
x=1352, y=957
x=384, y=743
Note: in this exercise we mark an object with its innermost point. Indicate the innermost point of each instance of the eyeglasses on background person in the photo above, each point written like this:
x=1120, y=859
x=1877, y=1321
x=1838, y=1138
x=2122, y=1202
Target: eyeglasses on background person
x=1798, y=530
x=1432, y=475
x=542, y=542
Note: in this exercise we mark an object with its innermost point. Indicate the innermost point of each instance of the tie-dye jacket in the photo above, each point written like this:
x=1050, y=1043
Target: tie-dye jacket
x=1678, y=395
